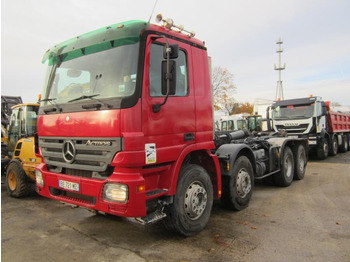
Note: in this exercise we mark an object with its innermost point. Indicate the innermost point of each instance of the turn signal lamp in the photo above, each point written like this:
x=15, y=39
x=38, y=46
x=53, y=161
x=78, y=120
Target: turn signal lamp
x=141, y=188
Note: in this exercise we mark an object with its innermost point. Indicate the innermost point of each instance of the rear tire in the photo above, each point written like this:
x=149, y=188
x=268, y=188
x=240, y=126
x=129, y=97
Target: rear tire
x=190, y=211
x=285, y=177
x=345, y=144
x=334, y=146
x=300, y=162
x=237, y=189
x=16, y=180
x=4, y=160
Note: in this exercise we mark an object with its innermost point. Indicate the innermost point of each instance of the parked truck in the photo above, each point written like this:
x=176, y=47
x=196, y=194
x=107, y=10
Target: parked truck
x=126, y=128
x=232, y=122
x=240, y=122
x=311, y=118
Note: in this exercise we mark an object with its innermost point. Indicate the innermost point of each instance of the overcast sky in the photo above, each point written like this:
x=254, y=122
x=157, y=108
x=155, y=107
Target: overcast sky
x=239, y=34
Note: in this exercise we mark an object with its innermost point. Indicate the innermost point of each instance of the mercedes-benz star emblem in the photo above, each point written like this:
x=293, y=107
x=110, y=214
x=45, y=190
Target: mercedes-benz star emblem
x=69, y=152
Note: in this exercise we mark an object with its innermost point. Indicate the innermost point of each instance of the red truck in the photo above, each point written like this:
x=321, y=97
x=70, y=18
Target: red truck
x=311, y=118
x=126, y=128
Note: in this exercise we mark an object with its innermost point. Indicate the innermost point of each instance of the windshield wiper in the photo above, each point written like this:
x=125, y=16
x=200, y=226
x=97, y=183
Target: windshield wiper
x=83, y=97
x=52, y=102
x=92, y=98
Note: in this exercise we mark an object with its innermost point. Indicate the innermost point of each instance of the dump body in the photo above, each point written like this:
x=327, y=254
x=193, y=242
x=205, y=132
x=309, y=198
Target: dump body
x=338, y=122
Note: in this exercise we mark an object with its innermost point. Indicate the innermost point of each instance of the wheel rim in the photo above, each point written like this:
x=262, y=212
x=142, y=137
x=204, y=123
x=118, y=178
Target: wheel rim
x=195, y=200
x=243, y=184
x=12, y=181
x=288, y=166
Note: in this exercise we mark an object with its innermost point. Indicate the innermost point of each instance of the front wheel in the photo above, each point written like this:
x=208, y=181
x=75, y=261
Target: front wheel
x=237, y=188
x=285, y=177
x=190, y=211
x=322, y=150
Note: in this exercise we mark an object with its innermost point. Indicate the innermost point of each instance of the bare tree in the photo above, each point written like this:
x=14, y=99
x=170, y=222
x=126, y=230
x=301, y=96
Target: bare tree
x=223, y=89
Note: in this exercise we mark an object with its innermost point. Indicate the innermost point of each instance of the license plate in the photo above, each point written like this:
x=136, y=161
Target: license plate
x=68, y=185
x=312, y=142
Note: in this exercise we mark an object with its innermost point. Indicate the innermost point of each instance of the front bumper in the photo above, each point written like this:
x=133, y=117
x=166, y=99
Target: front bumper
x=90, y=194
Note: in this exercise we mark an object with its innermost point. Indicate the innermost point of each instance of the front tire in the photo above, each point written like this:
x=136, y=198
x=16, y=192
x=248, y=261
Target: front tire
x=285, y=177
x=323, y=149
x=237, y=189
x=190, y=211
x=16, y=180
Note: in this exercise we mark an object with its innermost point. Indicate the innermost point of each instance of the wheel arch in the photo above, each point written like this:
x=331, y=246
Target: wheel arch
x=292, y=143
x=232, y=152
x=202, y=157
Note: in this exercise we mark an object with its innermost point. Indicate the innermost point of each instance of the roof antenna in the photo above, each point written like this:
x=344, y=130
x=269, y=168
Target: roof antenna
x=155, y=3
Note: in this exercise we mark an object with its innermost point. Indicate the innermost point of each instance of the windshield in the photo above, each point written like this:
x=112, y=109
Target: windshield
x=107, y=74
x=293, y=111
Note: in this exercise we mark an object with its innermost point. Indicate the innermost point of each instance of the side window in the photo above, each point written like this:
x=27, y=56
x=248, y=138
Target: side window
x=231, y=126
x=14, y=122
x=14, y=130
x=318, y=108
x=155, y=72
x=223, y=126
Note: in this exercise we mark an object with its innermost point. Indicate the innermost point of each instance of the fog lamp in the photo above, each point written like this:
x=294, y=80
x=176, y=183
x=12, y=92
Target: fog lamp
x=115, y=192
x=39, y=178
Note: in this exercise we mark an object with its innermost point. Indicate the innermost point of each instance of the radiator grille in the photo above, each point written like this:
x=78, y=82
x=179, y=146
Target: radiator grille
x=87, y=156
x=293, y=129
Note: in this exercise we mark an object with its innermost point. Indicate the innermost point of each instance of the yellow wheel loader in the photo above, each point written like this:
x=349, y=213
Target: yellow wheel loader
x=21, y=159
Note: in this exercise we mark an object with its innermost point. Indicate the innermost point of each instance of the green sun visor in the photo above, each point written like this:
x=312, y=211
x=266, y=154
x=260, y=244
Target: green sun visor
x=101, y=39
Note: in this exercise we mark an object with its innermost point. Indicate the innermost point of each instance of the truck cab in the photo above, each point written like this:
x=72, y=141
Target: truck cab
x=122, y=109
x=303, y=117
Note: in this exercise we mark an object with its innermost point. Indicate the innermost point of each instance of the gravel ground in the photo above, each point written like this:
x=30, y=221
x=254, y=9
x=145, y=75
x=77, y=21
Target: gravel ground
x=308, y=221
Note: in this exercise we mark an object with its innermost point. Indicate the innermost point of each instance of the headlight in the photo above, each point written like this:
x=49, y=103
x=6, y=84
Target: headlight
x=116, y=193
x=39, y=178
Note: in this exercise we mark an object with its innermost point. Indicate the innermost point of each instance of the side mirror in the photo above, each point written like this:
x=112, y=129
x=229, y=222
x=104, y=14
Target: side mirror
x=171, y=76
x=324, y=109
x=173, y=51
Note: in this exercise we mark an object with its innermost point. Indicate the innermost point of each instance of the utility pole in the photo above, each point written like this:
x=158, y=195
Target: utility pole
x=279, y=68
